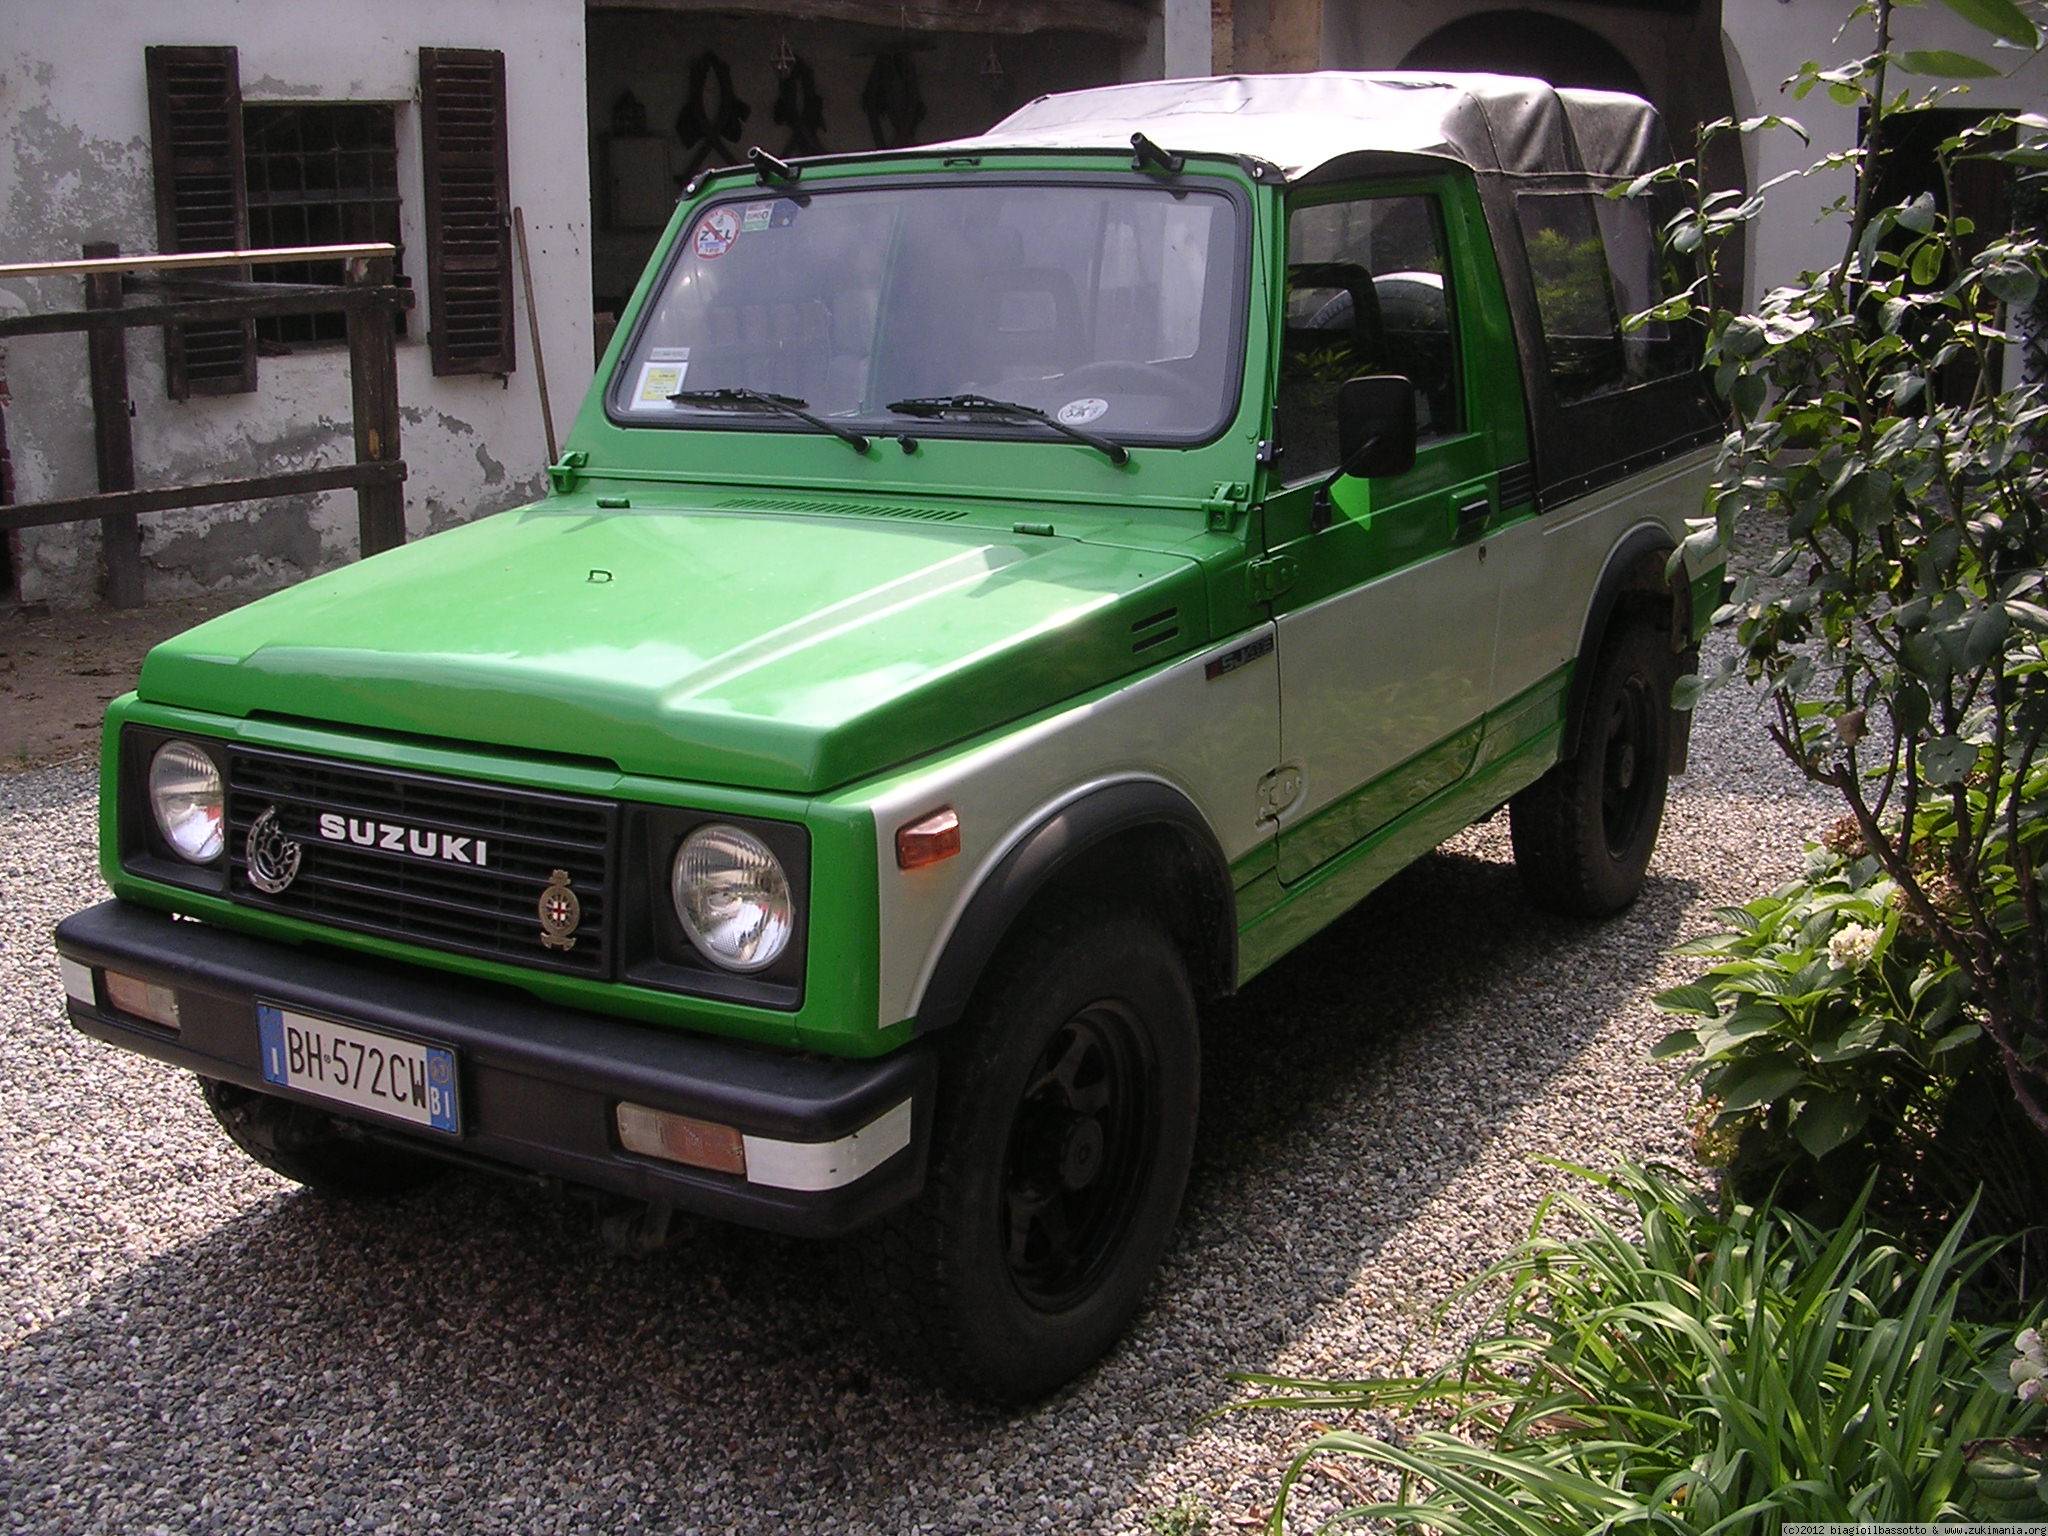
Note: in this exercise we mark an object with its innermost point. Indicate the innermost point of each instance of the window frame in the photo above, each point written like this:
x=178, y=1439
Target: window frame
x=984, y=430
x=272, y=345
x=1318, y=195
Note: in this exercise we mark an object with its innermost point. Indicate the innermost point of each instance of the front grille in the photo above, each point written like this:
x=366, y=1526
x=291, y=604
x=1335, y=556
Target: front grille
x=492, y=909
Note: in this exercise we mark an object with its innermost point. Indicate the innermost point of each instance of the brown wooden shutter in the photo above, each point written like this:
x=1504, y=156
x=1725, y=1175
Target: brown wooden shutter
x=202, y=204
x=469, y=210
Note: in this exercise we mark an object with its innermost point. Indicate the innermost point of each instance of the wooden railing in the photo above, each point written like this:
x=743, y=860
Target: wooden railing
x=369, y=299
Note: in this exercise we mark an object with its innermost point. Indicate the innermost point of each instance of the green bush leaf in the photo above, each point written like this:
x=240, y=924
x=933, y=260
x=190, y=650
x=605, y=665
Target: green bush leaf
x=1826, y=1120
x=2001, y=18
x=1693, y=998
x=1677, y=1043
x=1747, y=1084
x=1947, y=64
x=1987, y=633
x=1947, y=760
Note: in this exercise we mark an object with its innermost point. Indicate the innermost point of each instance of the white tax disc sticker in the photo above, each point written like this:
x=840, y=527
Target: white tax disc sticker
x=1078, y=413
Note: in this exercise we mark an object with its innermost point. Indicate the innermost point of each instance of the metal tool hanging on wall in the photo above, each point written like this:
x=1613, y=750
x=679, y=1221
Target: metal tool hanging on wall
x=710, y=130
x=892, y=101
x=800, y=109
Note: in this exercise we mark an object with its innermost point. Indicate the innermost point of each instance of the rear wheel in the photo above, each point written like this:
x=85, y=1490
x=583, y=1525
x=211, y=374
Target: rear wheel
x=302, y=1144
x=1063, y=1129
x=1584, y=832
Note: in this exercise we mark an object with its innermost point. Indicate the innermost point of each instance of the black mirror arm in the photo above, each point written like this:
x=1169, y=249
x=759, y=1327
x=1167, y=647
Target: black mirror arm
x=1321, y=508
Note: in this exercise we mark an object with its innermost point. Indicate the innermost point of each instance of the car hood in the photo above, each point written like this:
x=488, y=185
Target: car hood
x=778, y=651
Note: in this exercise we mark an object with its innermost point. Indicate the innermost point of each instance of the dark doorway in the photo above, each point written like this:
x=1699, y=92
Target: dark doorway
x=1528, y=43
x=1978, y=189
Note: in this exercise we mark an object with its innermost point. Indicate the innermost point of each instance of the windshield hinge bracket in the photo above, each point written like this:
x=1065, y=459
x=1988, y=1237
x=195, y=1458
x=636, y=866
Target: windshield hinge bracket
x=565, y=472
x=1270, y=576
x=1145, y=155
x=1224, y=502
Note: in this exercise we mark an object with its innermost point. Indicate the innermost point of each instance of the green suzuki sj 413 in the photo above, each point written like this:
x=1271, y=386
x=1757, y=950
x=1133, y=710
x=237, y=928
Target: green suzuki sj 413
x=995, y=596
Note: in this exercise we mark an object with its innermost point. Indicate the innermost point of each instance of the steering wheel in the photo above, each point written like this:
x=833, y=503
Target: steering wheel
x=1131, y=378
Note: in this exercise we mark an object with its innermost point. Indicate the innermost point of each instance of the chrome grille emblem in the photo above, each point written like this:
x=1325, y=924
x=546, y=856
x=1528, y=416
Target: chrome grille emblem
x=272, y=857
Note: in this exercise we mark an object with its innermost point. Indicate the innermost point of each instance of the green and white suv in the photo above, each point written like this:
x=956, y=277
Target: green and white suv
x=995, y=596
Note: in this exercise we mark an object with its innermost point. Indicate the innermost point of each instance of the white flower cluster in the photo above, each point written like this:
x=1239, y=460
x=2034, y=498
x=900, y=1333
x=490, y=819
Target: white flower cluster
x=2030, y=1367
x=1852, y=946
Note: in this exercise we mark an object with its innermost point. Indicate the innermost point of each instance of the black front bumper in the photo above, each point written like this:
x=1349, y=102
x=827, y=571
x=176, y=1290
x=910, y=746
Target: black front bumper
x=539, y=1084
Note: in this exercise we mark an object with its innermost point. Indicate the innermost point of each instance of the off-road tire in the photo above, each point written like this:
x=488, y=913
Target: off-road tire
x=301, y=1143
x=1584, y=832
x=967, y=1285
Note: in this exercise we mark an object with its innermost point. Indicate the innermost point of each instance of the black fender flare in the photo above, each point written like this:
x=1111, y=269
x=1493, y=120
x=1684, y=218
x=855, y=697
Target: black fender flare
x=1645, y=539
x=1051, y=846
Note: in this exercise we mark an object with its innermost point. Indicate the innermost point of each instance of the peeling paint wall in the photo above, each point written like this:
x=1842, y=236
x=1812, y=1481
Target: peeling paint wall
x=76, y=167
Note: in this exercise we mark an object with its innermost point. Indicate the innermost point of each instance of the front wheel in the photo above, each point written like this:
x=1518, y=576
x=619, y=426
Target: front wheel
x=1584, y=832
x=300, y=1143
x=1063, y=1130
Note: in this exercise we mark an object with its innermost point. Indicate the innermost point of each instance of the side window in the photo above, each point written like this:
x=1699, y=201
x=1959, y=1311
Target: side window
x=1593, y=260
x=1368, y=291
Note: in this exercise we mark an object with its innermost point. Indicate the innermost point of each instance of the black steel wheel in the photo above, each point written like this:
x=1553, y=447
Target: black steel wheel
x=1584, y=832
x=1080, y=1144
x=1628, y=737
x=1062, y=1131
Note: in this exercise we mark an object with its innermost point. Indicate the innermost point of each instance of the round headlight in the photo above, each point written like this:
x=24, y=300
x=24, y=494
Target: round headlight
x=733, y=898
x=184, y=795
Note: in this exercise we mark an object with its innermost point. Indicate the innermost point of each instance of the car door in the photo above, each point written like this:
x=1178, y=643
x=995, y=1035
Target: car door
x=1385, y=606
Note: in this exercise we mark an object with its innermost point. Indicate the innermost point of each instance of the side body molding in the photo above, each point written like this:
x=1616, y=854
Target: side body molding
x=1204, y=917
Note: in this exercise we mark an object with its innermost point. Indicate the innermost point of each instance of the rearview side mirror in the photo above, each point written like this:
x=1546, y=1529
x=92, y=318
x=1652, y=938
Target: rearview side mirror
x=1376, y=428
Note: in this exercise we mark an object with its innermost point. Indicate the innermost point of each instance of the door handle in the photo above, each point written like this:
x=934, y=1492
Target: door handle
x=1472, y=517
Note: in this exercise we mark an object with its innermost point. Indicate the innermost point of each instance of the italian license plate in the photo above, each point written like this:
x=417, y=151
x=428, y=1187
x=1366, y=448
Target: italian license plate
x=359, y=1067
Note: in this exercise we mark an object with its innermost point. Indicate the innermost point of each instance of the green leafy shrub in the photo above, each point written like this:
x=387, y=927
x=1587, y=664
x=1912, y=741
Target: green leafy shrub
x=1828, y=1019
x=1682, y=1370
x=1835, y=1044
x=1896, y=632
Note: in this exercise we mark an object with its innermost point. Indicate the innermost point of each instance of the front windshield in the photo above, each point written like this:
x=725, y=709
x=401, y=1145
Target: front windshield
x=1108, y=307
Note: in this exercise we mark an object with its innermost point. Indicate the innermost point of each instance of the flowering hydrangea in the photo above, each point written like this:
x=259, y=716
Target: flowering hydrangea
x=1852, y=946
x=2030, y=1367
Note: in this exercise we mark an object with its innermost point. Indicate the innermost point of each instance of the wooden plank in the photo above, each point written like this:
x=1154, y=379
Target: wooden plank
x=295, y=482
x=193, y=261
x=1114, y=18
x=306, y=302
x=113, y=435
x=373, y=391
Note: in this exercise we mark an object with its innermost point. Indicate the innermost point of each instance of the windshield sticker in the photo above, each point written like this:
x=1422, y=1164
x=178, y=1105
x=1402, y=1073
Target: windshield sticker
x=759, y=216
x=716, y=234
x=660, y=380
x=1078, y=413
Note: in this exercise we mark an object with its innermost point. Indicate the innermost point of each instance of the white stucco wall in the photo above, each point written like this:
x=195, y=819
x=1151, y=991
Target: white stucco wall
x=75, y=167
x=1766, y=41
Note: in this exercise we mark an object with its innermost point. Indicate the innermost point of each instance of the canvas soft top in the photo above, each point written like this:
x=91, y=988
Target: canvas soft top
x=1499, y=125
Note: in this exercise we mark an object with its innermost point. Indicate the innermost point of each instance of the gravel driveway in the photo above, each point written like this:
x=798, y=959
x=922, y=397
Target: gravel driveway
x=186, y=1343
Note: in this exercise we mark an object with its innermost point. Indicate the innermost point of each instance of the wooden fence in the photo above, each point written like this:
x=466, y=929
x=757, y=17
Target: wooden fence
x=371, y=302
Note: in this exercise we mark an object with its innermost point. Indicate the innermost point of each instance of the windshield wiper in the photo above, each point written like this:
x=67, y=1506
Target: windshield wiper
x=981, y=405
x=787, y=405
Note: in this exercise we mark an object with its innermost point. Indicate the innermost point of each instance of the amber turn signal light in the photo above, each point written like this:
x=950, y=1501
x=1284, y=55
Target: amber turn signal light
x=144, y=999
x=928, y=839
x=681, y=1139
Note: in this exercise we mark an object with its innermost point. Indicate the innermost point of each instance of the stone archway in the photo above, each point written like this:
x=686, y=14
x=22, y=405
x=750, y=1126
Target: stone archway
x=1567, y=52
x=1529, y=43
